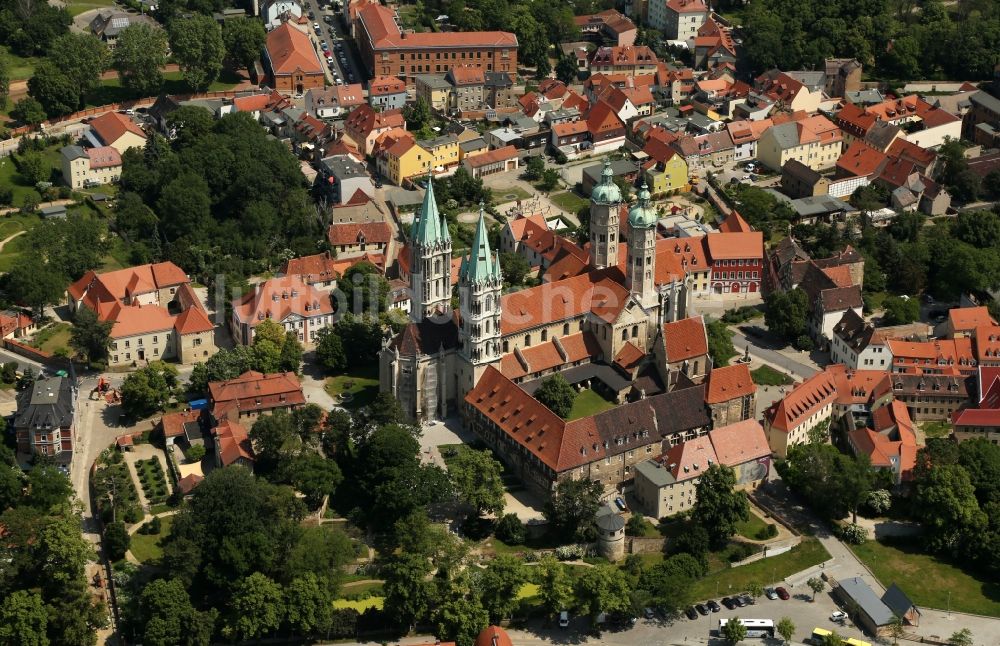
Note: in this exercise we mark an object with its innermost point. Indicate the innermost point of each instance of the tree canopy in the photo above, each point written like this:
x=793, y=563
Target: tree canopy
x=718, y=507
x=557, y=395
x=571, y=509
x=478, y=480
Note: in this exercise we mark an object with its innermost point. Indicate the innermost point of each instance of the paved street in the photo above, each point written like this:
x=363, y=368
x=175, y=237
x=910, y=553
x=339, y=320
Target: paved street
x=798, y=364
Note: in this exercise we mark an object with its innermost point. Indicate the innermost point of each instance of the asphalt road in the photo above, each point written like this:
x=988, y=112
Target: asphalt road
x=761, y=349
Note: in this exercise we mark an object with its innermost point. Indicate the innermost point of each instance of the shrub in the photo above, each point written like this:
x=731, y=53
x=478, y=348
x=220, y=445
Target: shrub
x=133, y=515
x=768, y=532
x=804, y=343
x=195, y=453
x=853, y=534
x=510, y=530
x=570, y=552
x=637, y=526
x=879, y=501
x=531, y=557
x=116, y=541
x=741, y=551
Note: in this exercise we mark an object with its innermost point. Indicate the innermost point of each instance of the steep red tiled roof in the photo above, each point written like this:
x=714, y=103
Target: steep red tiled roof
x=734, y=223
x=859, y=160
x=279, y=298
x=383, y=32
x=466, y=75
x=739, y=443
x=172, y=424
x=289, y=49
x=103, y=157
x=687, y=6
x=629, y=356
x=381, y=85
x=729, y=382
x=232, y=442
x=723, y=246
x=559, y=300
x=602, y=118
x=110, y=126
x=966, y=319
x=349, y=233
x=255, y=392
x=685, y=339
x=492, y=156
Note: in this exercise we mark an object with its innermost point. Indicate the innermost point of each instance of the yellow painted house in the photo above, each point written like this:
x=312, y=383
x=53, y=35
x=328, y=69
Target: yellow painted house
x=668, y=176
x=443, y=151
x=403, y=160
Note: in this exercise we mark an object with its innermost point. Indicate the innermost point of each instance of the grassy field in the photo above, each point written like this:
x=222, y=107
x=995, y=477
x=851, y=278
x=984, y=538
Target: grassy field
x=936, y=429
x=589, y=403
x=53, y=337
x=146, y=547
x=569, y=201
x=9, y=225
x=905, y=565
x=20, y=68
x=768, y=376
x=362, y=384
x=508, y=193
x=111, y=90
x=76, y=7
x=750, y=528
x=18, y=184
x=359, y=604
x=724, y=579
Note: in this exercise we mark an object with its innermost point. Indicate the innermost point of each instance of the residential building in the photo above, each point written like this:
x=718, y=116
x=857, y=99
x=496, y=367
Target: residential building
x=922, y=123
x=115, y=130
x=737, y=262
x=681, y=348
x=108, y=25
x=891, y=443
x=86, y=167
x=711, y=150
x=245, y=398
x=468, y=88
x=291, y=61
x=628, y=59
x=288, y=301
x=813, y=141
x=499, y=160
x=155, y=311
x=402, y=160
x=981, y=124
x=15, y=323
x=789, y=93
x=607, y=131
x=349, y=239
x=443, y=151
x=962, y=322
x=798, y=180
x=364, y=125
x=843, y=77
x=232, y=445
x=932, y=397
x=386, y=50
x=669, y=175
x=982, y=417
x=859, y=344
x=745, y=135
x=714, y=47
x=678, y=19
x=321, y=270
x=44, y=423
x=435, y=90
x=499, y=91
x=342, y=179
x=386, y=93
x=667, y=485
x=608, y=26
x=730, y=394
x=334, y=101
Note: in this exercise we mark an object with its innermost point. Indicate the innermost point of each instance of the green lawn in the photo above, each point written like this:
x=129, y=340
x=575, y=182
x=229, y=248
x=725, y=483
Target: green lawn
x=768, y=376
x=936, y=429
x=528, y=590
x=509, y=193
x=146, y=547
x=111, y=90
x=9, y=225
x=724, y=579
x=589, y=403
x=19, y=185
x=76, y=7
x=359, y=604
x=750, y=528
x=930, y=581
x=362, y=384
x=569, y=201
x=53, y=337
x=20, y=68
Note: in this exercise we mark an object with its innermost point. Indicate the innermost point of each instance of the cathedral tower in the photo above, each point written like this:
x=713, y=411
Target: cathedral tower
x=479, y=285
x=640, y=270
x=430, y=260
x=605, y=201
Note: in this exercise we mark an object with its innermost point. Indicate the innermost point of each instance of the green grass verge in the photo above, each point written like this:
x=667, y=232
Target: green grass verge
x=20, y=68
x=589, y=403
x=936, y=429
x=509, y=193
x=146, y=547
x=768, y=376
x=904, y=564
x=724, y=579
x=53, y=337
x=111, y=90
x=75, y=8
x=569, y=201
x=362, y=384
x=751, y=527
x=359, y=604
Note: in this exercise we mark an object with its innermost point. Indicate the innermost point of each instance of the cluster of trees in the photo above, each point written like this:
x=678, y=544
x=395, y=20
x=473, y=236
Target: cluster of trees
x=957, y=499
x=833, y=483
x=787, y=315
x=44, y=596
x=222, y=199
x=353, y=341
x=557, y=395
x=760, y=209
x=148, y=389
x=899, y=40
x=273, y=350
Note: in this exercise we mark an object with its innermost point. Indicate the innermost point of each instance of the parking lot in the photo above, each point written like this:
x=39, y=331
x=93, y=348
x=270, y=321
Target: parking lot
x=340, y=55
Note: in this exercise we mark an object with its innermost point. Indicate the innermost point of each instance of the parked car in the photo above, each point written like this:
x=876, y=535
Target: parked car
x=782, y=593
x=563, y=619
x=728, y=603
x=770, y=594
x=691, y=613
x=323, y=45
x=838, y=615
x=746, y=599
x=713, y=606
x=702, y=610
x=316, y=27
x=621, y=503
x=739, y=601
x=648, y=612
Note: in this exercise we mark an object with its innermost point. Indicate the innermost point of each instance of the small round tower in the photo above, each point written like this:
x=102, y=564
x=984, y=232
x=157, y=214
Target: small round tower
x=611, y=536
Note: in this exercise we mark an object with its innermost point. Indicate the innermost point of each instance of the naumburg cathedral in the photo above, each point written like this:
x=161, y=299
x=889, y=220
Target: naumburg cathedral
x=615, y=306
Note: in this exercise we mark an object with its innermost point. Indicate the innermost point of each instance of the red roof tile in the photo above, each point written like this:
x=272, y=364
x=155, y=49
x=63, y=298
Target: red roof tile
x=255, y=392
x=729, y=382
x=685, y=339
x=350, y=233
x=291, y=50
x=738, y=443
x=110, y=126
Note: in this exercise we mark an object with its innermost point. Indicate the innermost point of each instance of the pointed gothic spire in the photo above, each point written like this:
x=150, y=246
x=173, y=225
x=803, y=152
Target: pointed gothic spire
x=481, y=264
x=427, y=229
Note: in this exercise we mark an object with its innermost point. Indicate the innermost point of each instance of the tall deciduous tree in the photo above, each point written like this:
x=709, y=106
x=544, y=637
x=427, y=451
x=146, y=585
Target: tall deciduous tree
x=409, y=594
x=571, y=509
x=478, y=481
x=23, y=619
x=603, y=588
x=719, y=507
x=256, y=609
x=499, y=585
x=83, y=59
x=4, y=82
x=90, y=336
x=196, y=43
x=54, y=89
x=786, y=628
x=786, y=313
x=557, y=395
x=330, y=350
x=244, y=40
x=28, y=111
x=309, y=605
x=139, y=56
x=460, y=617
x=734, y=631
x=148, y=389
x=556, y=586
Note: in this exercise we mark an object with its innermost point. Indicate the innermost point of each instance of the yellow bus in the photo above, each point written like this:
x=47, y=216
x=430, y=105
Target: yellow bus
x=855, y=642
x=819, y=636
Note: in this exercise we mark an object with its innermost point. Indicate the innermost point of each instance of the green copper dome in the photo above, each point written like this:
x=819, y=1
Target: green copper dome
x=642, y=215
x=606, y=191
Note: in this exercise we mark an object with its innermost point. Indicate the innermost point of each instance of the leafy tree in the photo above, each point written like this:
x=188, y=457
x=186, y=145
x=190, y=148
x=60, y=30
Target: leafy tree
x=28, y=111
x=571, y=509
x=4, y=82
x=978, y=228
x=12, y=484
x=557, y=395
x=550, y=178
x=478, y=481
x=720, y=343
x=321, y=552
x=754, y=589
x=23, y=619
x=948, y=506
x=196, y=453
x=256, y=609
x=32, y=167
x=785, y=628
x=83, y=59
x=833, y=483
x=899, y=310
x=409, y=595
x=461, y=618
x=637, y=525
x=54, y=89
x=718, y=506
x=896, y=628
x=417, y=114
x=366, y=291
x=315, y=476
x=116, y=540
x=90, y=336
x=189, y=123
x=361, y=337
x=603, y=588
x=148, y=389
x=534, y=169
x=961, y=638
x=555, y=585
x=513, y=266
x=786, y=313
x=817, y=585
x=509, y=529
x=290, y=358
x=309, y=606
x=62, y=552
x=566, y=70
x=196, y=44
x=879, y=501
x=48, y=487
x=244, y=40
x=694, y=541
x=734, y=631
x=29, y=27
x=498, y=586
x=330, y=350
x=139, y=56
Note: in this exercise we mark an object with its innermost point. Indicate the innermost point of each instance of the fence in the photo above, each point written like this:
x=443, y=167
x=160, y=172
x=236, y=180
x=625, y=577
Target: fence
x=644, y=545
x=34, y=353
x=771, y=549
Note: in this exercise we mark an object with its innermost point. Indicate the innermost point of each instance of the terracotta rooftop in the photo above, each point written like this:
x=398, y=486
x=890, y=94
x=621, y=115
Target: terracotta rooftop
x=738, y=443
x=966, y=319
x=728, y=382
x=110, y=126
x=379, y=23
x=254, y=392
x=352, y=233
x=290, y=50
x=685, y=339
x=232, y=442
x=594, y=293
x=727, y=246
x=279, y=298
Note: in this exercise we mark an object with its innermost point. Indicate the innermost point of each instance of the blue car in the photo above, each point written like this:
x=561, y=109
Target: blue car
x=621, y=503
